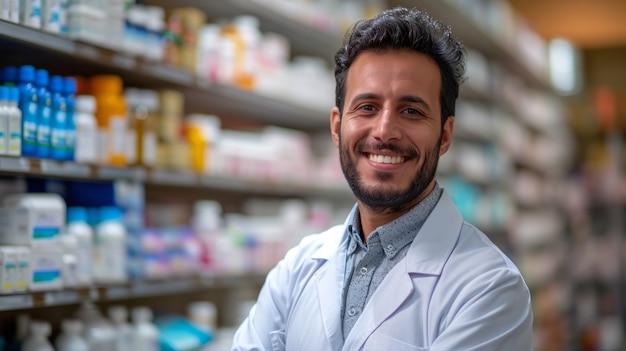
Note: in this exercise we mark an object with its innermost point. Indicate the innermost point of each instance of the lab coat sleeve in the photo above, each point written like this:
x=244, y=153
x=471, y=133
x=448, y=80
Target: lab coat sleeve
x=264, y=328
x=265, y=323
x=495, y=315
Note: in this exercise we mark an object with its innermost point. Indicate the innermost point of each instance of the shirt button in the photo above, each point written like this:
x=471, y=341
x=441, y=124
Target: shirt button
x=390, y=247
x=363, y=270
x=352, y=312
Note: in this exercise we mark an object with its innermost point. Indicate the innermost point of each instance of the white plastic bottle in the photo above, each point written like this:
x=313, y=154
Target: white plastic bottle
x=98, y=332
x=110, y=255
x=78, y=227
x=86, y=129
x=38, y=338
x=71, y=338
x=145, y=333
x=14, y=127
x=123, y=330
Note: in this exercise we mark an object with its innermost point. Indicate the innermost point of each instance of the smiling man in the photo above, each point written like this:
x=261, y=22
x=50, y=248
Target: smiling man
x=405, y=271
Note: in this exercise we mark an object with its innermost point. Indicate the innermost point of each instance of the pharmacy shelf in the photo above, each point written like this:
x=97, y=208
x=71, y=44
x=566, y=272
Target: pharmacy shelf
x=304, y=38
x=33, y=167
x=477, y=37
x=142, y=289
x=203, y=96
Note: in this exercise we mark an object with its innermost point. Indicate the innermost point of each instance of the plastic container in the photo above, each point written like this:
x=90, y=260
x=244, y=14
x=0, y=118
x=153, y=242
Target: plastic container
x=28, y=104
x=14, y=127
x=98, y=332
x=51, y=15
x=111, y=118
x=38, y=337
x=69, y=89
x=44, y=116
x=71, y=338
x=31, y=13
x=34, y=219
x=124, y=331
x=59, y=120
x=145, y=333
x=203, y=314
x=110, y=255
x=78, y=227
x=4, y=119
x=86, y=146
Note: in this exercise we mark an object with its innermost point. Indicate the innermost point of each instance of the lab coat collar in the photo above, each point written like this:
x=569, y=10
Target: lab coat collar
x=436, y=239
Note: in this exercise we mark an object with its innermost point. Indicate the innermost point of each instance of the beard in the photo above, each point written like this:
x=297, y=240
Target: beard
x=377, y=197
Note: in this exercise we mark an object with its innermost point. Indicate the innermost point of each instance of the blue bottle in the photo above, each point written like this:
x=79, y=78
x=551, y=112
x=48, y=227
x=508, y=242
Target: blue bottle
x=10, y=76
x=58, y=129
x=70, y=90
x=30, y=108
x=44, y=115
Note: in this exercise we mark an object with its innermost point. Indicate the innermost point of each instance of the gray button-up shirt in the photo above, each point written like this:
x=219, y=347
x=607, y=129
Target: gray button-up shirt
x=367, y=265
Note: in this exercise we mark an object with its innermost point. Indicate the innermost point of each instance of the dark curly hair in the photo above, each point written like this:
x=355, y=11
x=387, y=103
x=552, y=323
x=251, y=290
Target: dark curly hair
x=402, y=28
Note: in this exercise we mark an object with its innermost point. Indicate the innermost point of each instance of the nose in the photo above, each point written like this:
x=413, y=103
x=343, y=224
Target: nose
x=386, y=127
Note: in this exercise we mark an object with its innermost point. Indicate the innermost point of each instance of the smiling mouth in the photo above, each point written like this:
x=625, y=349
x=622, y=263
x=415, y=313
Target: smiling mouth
x=386, y=159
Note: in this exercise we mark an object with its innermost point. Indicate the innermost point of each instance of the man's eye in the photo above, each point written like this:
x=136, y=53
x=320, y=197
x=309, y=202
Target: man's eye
x=412, y=111
x=367, y=108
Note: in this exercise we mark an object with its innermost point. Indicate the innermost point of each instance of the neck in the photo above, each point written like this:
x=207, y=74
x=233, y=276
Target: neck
x=372, y=218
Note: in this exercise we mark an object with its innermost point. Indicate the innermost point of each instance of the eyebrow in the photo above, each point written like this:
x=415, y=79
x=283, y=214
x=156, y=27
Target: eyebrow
x=404, y=98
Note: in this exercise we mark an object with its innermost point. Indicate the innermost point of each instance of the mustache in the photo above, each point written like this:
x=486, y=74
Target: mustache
x=368, y=147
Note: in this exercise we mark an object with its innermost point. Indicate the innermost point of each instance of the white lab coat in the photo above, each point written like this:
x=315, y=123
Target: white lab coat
x=454, y=291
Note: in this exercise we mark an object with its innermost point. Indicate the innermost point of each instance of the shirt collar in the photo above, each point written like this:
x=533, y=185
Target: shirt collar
x=396, y=234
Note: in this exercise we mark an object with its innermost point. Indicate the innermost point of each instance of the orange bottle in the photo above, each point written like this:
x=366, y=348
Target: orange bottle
x=111, y=118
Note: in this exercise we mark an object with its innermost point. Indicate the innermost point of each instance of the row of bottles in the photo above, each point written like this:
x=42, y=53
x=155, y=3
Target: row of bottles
x=90, y=330
x=90, y=120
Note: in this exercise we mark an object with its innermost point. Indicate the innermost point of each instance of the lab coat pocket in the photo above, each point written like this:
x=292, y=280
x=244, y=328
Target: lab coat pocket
x=277, y=337
x=378, y=341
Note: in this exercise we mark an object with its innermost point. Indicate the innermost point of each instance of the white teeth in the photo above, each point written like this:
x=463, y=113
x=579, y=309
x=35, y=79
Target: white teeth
x=386, y=159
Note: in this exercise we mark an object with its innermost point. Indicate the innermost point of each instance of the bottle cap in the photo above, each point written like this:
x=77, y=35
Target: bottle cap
x=27, y=73
x=142, y=314
x=71, y=326
x=41, y=79
x=10, y=74
x=118, y=314
x=39, y=328
x=105, y=85
x=14, y=94
x=56, y=84
x=110, y=213
x=76, y=214
x=86, y=104
x=5, y=95
x=70, y=86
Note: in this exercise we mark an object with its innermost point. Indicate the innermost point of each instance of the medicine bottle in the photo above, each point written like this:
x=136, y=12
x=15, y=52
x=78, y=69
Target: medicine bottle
x=111, y=118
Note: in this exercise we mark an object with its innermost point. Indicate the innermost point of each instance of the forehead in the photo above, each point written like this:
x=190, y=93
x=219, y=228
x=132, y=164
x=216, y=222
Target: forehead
x=393, y=70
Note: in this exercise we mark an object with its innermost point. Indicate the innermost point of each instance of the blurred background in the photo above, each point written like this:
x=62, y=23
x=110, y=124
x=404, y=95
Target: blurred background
x=157, y=158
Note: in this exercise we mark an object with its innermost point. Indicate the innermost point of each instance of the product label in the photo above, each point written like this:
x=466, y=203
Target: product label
x=15, y=135
x=46, y=276
x=117, y=135
x=149, y=148
x=30, y=132
x=86, y=145
x=3, y=133
x=22, y=274
x=45, y=232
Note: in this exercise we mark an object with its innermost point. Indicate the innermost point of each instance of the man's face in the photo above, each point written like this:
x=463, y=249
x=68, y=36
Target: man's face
x=390, y=135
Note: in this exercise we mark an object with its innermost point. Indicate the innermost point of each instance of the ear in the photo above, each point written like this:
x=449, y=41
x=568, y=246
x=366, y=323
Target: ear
x=335, y=125
x=446, y=135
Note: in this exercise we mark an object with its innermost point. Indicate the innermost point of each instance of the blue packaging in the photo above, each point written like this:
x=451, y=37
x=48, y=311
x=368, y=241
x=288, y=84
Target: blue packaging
x=178, y=334
x=30, y=108
x=69, y=91
x=58, y=130
x=44, y=114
